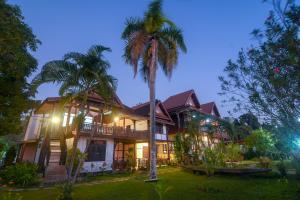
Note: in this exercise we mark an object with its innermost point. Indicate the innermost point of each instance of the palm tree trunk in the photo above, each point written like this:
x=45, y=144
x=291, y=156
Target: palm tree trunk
x=152, y=76
x=88, y=142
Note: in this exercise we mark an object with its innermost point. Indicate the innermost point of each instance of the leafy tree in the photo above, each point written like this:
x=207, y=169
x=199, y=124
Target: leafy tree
x=78, y=75
x=249, y=119
x=261, y=142
x=150, y=41
x=265, y=78
x=16, y=65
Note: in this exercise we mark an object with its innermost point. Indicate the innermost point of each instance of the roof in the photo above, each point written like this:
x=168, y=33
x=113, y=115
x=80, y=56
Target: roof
x=48, y=104
x=180, y=100
x=144, y=110
x=210, y=109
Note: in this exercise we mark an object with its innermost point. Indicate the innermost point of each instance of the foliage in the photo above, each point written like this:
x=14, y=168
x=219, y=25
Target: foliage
x=182, y=147
x=233, y=152
x=12, y=196
x=78, y=155
x=10, y=156
x=161, y=188
x=21, y=174
x=139, y=35
x=261, y=142
x=16, y=65
x=212, y=159
x=265, y=162
x=66, y=192
x=151, y=41
x=265, y=78
x=282, y=169
x=130, y=159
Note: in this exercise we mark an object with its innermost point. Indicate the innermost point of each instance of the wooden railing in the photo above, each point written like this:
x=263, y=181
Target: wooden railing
x=114, y=131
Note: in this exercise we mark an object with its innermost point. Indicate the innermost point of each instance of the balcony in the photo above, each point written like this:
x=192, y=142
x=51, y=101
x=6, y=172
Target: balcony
x=114, y=132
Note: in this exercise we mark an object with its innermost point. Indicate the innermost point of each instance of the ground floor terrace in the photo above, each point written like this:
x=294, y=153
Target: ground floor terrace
x=174, y=183
x=105, y=154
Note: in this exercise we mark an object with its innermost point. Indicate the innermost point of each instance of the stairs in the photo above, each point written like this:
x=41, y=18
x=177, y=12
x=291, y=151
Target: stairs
x=55, y=172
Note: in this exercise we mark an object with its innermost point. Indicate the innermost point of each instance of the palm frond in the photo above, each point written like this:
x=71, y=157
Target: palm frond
x=132, y=25
x=174, y=34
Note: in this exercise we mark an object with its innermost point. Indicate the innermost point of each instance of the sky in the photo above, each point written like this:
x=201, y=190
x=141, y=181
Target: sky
x=214, y=32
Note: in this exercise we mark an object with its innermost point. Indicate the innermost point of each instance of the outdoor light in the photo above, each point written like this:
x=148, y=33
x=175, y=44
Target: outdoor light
x=298, y=119
x=55, y=120
x=116, y=119
x=194, y=116
x=207, y=120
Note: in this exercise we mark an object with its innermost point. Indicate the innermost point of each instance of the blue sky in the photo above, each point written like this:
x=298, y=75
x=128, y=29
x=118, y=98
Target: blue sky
x=214, y=31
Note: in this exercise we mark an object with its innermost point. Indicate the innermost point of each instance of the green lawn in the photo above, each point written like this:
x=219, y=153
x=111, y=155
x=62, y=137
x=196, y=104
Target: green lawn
x=177, y=184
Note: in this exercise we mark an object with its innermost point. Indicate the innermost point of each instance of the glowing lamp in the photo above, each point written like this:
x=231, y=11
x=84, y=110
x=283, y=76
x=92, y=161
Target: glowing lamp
x=116, y=119
x=55, y=120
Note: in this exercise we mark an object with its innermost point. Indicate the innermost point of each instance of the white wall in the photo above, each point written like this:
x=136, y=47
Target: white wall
x=34, y=127
x=141, y=125
x=95, y=166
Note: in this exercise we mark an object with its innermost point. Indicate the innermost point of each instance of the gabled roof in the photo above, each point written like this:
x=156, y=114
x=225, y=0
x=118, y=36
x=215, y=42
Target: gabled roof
x=162, y=117
x=180, y=100
x=210, y=109
x=47, y=104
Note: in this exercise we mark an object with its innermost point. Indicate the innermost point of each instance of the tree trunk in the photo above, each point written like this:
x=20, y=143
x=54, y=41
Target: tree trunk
x=152, y=76
x=88, y=142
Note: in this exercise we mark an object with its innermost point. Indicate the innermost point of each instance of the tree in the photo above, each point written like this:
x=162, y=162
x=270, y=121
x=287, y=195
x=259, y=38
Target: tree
x=265, y=79
x=16, y=65
x=78, y=75
x=261, y=142
x=150, y=41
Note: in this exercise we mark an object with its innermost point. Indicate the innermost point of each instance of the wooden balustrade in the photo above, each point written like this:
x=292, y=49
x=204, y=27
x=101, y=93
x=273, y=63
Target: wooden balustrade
x=114, y=131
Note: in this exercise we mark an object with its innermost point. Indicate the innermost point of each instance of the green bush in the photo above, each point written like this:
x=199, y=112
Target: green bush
x=20, y=174
x=10, y=156
x=66, y=192
x=282, y=168
x=212, y=159
x=78, y=155
x=259, y=143
x=233, y=153
x=265, y=162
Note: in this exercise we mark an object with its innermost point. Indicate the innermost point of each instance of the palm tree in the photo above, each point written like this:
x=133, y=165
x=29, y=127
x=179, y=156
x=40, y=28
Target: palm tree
x=79, y=74
x=152, y=40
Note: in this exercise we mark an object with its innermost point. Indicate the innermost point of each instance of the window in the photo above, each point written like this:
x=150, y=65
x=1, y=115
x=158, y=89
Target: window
x=96, y=151
x=66, y=118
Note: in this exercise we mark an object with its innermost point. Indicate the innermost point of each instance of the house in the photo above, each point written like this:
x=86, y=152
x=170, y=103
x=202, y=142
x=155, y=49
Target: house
x=118, y=132
x=185, y=106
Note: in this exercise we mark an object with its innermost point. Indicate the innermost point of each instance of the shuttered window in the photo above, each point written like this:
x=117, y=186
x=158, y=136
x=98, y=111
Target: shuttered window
x=96, y=151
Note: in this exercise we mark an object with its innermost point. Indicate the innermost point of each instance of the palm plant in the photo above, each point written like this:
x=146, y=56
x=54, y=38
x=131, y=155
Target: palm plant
x=150, y=41
x=79, y=74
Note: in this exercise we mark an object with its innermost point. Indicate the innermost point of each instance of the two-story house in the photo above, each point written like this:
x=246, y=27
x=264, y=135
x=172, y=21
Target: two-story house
x=116, y=128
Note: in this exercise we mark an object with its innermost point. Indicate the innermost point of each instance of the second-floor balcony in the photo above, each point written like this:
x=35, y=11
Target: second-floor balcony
x=114, y=131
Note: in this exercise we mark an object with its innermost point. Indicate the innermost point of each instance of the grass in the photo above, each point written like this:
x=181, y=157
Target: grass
x=175, y=183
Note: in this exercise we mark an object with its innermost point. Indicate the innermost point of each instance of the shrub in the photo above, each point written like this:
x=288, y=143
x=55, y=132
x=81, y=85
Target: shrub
x=264, y=162
x=10, y=156
x=78, y=155
x=260, y=143
x=212, y=159
x=66, y=192
x=233, y=153
x=21, y=174
x=282, y=168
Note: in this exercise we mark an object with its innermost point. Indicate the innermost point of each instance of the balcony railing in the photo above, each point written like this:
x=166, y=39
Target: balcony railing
x=114, y=131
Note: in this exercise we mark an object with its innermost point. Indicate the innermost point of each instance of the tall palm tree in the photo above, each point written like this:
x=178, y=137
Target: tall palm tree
x=78, y=74
x=152, y=40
